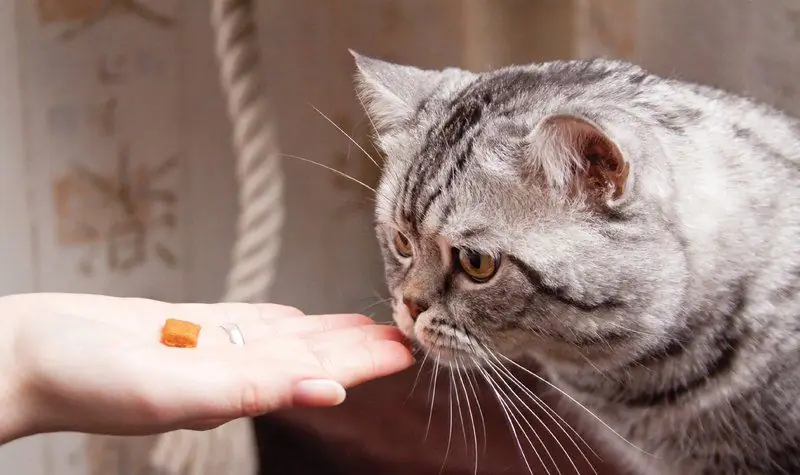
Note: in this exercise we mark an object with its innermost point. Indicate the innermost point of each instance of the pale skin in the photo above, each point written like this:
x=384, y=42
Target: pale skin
x=95, y=364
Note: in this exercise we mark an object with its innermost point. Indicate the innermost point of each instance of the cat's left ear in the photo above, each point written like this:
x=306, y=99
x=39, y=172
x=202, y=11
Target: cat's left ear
x=391, y=93
x=577, y=154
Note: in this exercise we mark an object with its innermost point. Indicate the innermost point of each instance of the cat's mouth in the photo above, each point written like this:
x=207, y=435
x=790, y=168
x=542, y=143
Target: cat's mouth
x=448, y=346
x=440, y=342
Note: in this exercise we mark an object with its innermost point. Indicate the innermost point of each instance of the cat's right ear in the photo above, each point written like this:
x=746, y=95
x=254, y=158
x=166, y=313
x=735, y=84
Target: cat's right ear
x=390, y=93
x=575, y=154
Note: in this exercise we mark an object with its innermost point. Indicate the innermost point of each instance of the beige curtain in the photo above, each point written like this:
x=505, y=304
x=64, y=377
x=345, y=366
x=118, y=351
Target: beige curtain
x=746, y=46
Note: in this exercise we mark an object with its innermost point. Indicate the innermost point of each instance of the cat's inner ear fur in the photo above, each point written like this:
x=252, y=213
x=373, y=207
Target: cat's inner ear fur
x=390, y=93
x=576, y=157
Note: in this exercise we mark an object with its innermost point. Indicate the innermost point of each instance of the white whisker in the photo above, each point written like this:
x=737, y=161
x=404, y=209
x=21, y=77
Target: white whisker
x=371, y=122
x=553, y=414
x=450, y=430
x=575, y=401
x=512, y=422
x=631, y=330
x=345, y=175
x=471, y=418
x=508, y=390
x=478, y=404
x=433, y=396
x=419, y=372
x=594, y=366
x=454, y=374
x=375, y=304
x=346, y=135
x=504, y=377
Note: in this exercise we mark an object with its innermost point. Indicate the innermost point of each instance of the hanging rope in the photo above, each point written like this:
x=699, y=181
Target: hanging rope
x=259, y=226
x=258, y=161
x=230, y=449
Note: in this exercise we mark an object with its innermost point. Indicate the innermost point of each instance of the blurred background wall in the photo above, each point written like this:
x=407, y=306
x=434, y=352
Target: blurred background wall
x=130, y=98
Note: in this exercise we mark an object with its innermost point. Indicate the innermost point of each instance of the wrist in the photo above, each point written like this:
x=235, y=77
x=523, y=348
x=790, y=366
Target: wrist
x=15, y=412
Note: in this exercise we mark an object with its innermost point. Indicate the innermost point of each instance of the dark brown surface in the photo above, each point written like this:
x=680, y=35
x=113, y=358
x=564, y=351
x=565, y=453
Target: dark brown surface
x=378, y=431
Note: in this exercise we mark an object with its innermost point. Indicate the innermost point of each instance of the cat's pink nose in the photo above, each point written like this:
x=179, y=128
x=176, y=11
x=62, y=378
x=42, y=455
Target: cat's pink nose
x=415, y=307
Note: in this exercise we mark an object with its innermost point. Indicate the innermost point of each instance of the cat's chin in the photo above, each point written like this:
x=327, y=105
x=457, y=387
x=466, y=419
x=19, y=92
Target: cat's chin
x=450, y=357
x=454, y=353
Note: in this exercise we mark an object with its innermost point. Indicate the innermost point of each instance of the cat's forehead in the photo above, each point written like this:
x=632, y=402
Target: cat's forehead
x=473, y=211
x=463, y=190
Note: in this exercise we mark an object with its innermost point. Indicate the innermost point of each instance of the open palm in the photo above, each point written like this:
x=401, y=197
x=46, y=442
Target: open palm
x=95, y=364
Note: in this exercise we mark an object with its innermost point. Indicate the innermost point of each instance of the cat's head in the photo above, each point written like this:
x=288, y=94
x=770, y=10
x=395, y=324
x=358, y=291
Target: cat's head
x=519, y=210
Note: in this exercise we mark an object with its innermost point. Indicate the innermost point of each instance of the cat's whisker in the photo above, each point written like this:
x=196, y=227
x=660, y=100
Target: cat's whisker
x=361, y=201
x=505, y=376
x=552, y=413
x=594, y=366
x=642, y=332
x=375, y=296
x=501, y=379
x=371, y=122
x=512, y=421
x=578, y=403
x=375, y=304
x=346, y=135
x=454, y=374
x=471, y=417
x=338, y=172
x=472, y=385
x=469, y=377
x=450, y=428
x=563, y=425
x=433, y=396
x=419, y=372
x=543, y=406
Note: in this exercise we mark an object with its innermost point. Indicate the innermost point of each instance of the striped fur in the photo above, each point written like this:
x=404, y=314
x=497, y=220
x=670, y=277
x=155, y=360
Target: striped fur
x=673, y=312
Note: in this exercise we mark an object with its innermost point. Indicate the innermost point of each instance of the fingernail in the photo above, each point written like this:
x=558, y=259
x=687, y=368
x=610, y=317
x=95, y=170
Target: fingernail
x=319, y=392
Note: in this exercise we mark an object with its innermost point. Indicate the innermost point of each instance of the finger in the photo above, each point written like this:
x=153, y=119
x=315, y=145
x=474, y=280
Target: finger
x=305, y=325
x=348, y=336
x=356, y=364
x=294, y=327
x=236, y=312
x=317, y=393
x=205, y=424
x=270, y=311
x=232, y=384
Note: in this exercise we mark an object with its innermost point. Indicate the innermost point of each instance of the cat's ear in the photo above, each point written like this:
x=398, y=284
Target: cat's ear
x=577, y=154
x=389, y=92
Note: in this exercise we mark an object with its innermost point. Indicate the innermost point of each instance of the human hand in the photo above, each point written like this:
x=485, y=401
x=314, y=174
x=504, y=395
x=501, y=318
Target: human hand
x=95, y=364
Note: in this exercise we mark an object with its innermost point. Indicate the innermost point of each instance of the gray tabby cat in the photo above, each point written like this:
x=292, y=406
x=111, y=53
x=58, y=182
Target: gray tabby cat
x=638, y=236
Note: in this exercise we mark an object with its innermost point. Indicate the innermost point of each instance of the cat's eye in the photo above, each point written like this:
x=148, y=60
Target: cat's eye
x=478, y=266
x=402, y=245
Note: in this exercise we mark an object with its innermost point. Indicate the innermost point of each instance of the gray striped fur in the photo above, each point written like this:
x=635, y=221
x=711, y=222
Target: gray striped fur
x=674, y=315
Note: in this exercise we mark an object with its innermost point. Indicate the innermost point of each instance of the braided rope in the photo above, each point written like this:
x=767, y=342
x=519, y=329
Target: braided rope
x=231, y=448
x=258, y=165
x=259, y=226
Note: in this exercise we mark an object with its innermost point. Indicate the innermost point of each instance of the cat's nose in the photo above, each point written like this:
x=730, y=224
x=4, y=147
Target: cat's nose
x=415, y=306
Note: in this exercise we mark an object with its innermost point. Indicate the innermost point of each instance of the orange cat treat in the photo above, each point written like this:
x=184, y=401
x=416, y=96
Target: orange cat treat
x=180, y=334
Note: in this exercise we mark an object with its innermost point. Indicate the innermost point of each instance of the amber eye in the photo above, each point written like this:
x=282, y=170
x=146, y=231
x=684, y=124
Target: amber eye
x=402, y=245
x=480, y=267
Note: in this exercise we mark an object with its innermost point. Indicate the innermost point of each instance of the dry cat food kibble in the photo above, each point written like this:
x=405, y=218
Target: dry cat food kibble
x=180, y=334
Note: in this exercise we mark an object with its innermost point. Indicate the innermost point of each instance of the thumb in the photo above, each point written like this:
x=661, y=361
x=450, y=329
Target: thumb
x=304, y=393
x=317, y=393
x=226, y=386
x=288, y=389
